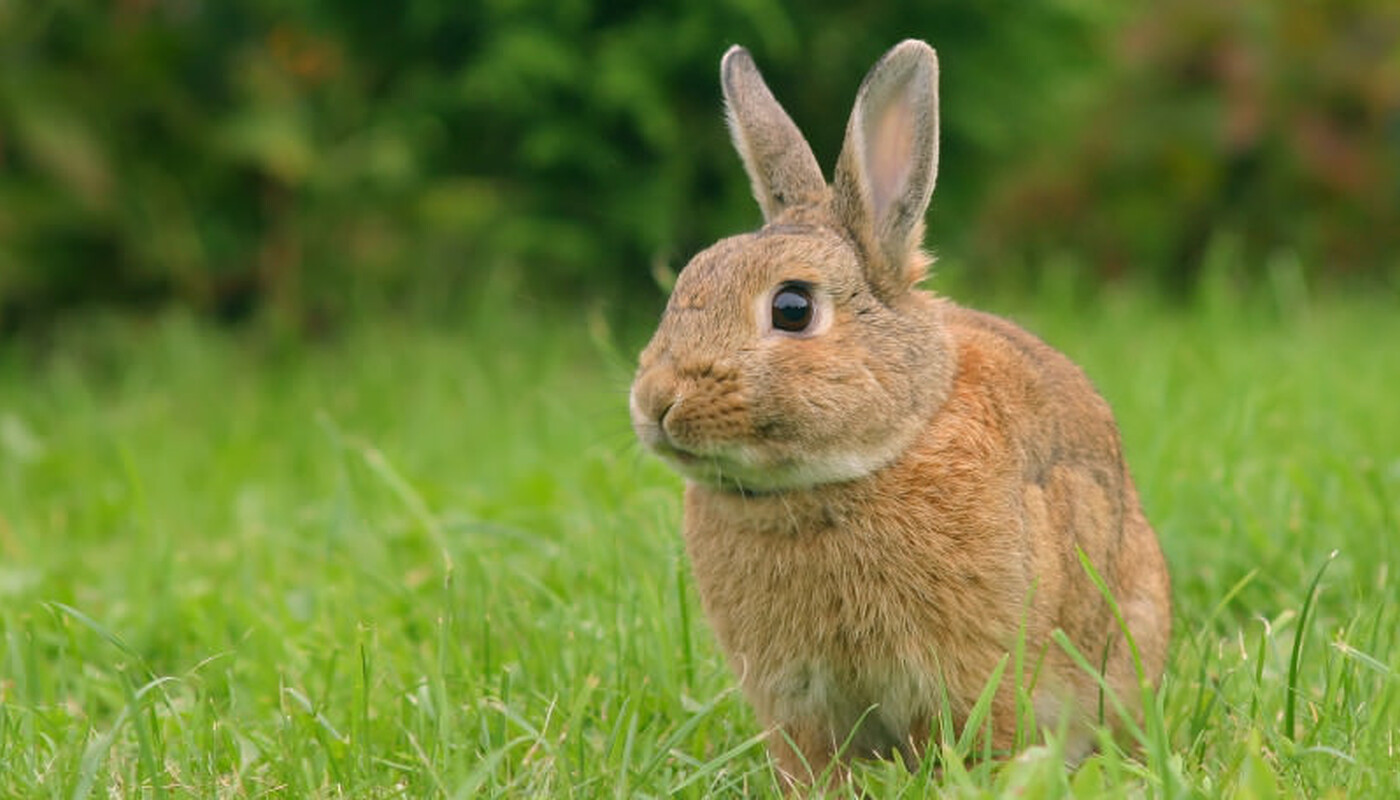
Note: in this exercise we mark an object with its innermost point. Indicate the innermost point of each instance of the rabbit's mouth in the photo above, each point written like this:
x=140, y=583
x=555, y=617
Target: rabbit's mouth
x=686, y=458
x=705, y=467
x=736, y=471
x=721, y=470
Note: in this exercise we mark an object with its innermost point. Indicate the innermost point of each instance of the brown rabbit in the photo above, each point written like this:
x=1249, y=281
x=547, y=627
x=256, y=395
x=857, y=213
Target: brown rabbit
x=886, y=492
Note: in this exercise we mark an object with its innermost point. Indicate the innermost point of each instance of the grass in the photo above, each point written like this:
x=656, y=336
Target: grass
x=418, y=561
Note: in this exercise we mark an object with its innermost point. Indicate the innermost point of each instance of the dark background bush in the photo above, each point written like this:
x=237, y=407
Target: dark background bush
x=312, y=158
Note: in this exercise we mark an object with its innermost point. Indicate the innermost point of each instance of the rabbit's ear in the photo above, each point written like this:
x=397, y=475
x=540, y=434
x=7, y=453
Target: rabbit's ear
x=885, y=175
x=781, y=167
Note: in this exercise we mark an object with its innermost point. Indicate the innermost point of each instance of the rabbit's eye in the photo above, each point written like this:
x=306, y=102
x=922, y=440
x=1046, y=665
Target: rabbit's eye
x=792, y=308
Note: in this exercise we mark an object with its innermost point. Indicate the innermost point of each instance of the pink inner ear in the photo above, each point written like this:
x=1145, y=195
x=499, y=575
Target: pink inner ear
x=889, y=156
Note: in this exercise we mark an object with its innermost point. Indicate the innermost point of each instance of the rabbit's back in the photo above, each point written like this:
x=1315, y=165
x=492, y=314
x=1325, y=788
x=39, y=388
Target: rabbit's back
x=1078, y=501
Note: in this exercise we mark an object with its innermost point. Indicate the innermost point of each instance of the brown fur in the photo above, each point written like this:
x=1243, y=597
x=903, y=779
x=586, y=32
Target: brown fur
x=878, y=507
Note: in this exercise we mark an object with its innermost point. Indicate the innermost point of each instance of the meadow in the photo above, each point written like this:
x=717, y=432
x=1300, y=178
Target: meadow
x=427, y=559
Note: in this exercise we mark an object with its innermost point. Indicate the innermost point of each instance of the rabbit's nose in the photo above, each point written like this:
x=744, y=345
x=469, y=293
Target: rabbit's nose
x=672, y=426
x=666, y=409
x=653, y=397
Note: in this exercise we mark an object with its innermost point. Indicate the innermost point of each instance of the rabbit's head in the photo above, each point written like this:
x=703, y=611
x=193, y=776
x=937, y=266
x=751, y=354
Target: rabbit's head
x=802, y=353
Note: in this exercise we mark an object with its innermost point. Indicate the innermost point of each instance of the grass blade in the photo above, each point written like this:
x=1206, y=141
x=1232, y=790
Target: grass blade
x=1294, y=659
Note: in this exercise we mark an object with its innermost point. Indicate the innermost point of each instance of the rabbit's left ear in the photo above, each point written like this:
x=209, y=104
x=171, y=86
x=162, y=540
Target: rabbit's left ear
x=781, y=167
x=885, y=175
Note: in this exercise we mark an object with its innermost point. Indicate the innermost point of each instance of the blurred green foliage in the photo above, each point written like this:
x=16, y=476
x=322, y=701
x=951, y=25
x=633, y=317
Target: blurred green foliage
x=1266, y=132
x=313, y=156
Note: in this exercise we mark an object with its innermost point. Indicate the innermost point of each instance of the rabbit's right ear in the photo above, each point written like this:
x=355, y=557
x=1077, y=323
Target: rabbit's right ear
x=781, y=167
x=885, y=175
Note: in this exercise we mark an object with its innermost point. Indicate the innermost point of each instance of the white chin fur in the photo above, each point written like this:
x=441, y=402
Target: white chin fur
x=747, y=471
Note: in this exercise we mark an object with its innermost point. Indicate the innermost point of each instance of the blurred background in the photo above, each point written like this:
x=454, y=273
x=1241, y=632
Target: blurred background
x=314, y=160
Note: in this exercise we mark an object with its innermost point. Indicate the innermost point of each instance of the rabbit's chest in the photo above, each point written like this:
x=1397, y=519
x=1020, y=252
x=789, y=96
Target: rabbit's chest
x=822, y=593
x=821, y=627
x=854, y=618
x=858, y=592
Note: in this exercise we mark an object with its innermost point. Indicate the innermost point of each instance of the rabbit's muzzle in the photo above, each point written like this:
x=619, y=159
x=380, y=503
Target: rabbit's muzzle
x=689, y=413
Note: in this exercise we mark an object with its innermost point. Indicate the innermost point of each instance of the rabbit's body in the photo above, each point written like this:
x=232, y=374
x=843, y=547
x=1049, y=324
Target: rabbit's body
x=887, y=495
x=897, y=590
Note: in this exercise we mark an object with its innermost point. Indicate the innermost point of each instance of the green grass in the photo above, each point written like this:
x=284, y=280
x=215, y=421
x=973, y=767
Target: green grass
x=422, y=561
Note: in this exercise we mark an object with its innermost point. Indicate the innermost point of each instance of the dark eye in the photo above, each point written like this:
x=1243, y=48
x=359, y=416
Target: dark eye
x=792, y=308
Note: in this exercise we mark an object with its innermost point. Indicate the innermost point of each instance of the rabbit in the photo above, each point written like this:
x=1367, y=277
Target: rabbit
x=886, y=494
